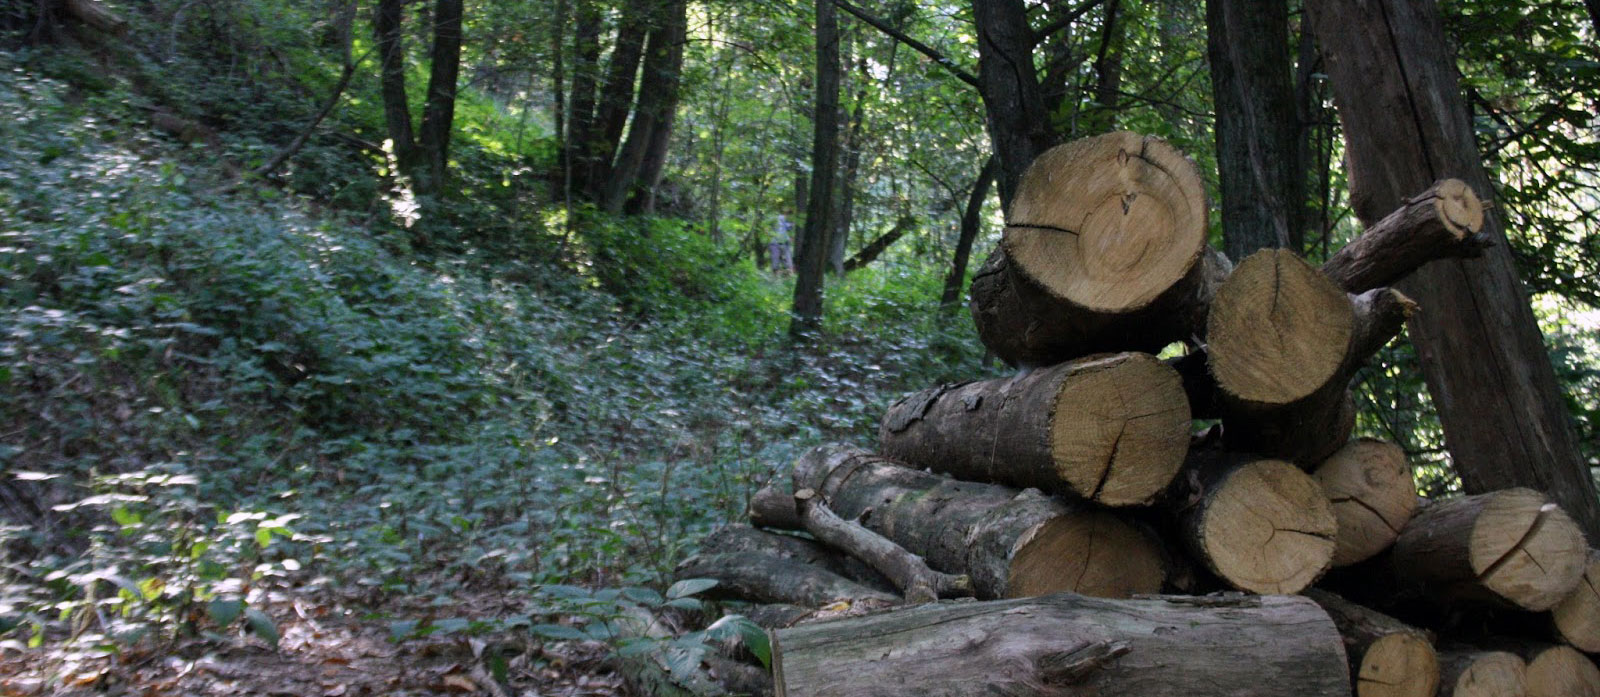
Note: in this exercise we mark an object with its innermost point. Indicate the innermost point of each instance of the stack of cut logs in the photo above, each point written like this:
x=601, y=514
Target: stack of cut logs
x=1295, y=561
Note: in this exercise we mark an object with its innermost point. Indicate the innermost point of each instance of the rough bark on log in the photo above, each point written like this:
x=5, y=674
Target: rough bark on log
x=764, y=578
x=1110, y=429
x=1387, y=657
x=1444, y=221
x=1011, y=543
x=1511, y=546
x=736, y=539
x=1068, y=644
x=917, y=582
x=1577, y=616
x=1261, y=525
x=1103, y=251
x=1475, y=673
x=1373, y=493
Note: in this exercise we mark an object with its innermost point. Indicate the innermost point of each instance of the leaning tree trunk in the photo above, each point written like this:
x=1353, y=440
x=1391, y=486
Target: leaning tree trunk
x=1374, y=494
x=387, y=24
x=1507, y=547
x=1104, y=250
x=1067, y=644
x=1108, y=429
x=611, y=113
x=1011, y=543
x=1406, y=126
x=955, y=281
x=658, y=98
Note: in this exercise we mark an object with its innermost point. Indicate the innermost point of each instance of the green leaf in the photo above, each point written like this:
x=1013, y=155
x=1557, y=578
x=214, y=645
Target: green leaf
x=690, y=586
x=565, y=592
x=557, y=631
x=261, y=625
x=450, y=625
x=751, y=634
x=643, y=596
x=401, y=629
x=224, y=612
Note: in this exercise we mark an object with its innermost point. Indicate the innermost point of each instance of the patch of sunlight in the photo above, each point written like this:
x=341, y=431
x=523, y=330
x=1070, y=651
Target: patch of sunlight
x=402, y=203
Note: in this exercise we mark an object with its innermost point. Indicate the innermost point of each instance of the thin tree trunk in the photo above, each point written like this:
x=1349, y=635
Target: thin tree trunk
x=1406, y=126
x=1019, y=126
x=1108, y=73
x=611, y=115
x=1257, y=125
x=438, y=113
x=957, y=278
x=658, y=96
x=643, y=197
x=575, y=157
x=387, y=24
x=812, y=250
x=844, y=218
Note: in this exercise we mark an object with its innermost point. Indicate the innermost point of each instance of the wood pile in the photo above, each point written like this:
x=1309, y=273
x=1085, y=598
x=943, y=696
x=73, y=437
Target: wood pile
x=1112, y=549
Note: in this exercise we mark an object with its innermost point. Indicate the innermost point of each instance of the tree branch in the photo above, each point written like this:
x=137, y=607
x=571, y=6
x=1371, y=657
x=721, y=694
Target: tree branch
x=1072, y=16
x=915, y=45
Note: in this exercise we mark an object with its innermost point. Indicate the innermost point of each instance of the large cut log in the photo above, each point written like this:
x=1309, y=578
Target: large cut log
x=1511, y=546
x=1555, y=670
x=1261, y=525
x=1068, y=644
x=1444, y=221
x=1112, y=429
x=1011, y=543
x=1374, y=495
x=909, y=573
x=1104, y=250
x=740, y=539
x=774, y=507
x=1387, y=657
x=1577, y=616
x=1475, y=673
x=763, y=578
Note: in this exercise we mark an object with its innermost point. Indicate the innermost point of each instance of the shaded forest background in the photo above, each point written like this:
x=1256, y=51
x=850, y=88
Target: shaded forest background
x=417, y=301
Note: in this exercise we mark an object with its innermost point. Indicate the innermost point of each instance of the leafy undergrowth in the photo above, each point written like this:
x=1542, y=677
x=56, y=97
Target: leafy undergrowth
x=229, y=415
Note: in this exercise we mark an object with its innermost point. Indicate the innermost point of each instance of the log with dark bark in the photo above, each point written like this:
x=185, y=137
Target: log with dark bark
x=1109, y=429
x=1011, y=543
x=744, y=539
x=1387, y=657
x=763, y=578
x=1373, y=493
x=1507, y=547
x=1104, y=250
x=1577, y=616
x=1444, y=221
x=908, y=572
x=1067, y=644
x=1261, y=525
x=773, y=506
x=1477, y=673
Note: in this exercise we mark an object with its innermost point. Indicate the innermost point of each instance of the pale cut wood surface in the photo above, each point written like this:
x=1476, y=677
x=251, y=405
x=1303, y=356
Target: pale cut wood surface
x=1278, y=329
x=1577, y=616
x=1475, y=673
x=1374, y=494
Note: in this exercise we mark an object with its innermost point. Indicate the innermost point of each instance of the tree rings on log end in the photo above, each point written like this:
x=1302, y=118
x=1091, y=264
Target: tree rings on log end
x=1527, y=550
x=1484, y=674
x=1370, y=484
x=1278, y=329
x=1108, y=223
x=1402, y=664
x=1459, y=208
x=1560, y=671
x=1577, y=618
x=1087, y=552
x=1119, y=429
x=1267, y=528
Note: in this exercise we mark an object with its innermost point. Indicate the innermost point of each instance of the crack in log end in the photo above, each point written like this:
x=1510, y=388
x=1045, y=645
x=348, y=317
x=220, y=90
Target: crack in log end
x=1357, y=500
x=1045, y=227
x=1539, y=520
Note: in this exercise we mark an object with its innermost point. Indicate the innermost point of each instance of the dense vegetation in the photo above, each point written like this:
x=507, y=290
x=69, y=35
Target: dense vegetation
x=218, y=384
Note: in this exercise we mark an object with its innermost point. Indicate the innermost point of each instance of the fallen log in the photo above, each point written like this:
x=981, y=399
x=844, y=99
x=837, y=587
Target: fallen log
x=1066, y=644
x=1444, y=221
x=1505, y=547
x=744, y=539
x=1387, y=657
x=1477, y=673
x=1011, y=543
x=764, y=578
x=917, y=582
x=1104, y=250
x=1259, y=524
x=1555, y=670
x=774, y=507
x=1112, y=429
x=1373, y=493
x=1577, y=616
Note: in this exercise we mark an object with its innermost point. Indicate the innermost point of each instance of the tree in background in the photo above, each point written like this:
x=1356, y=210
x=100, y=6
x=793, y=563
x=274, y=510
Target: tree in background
x=812, y=245
x=423, y=155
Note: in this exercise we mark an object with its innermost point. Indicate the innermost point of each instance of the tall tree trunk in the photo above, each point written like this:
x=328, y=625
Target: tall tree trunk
x=843, y=219
x=643, y=198
x=1108, y=73
x=575, y=157
x=658, y=97
x=1406, y=126
x=1019, y=125
x=1257, y=125
x=824, y=163
x=438, y=113
x=388, y=25
x=611, y=114
x=957, y=277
